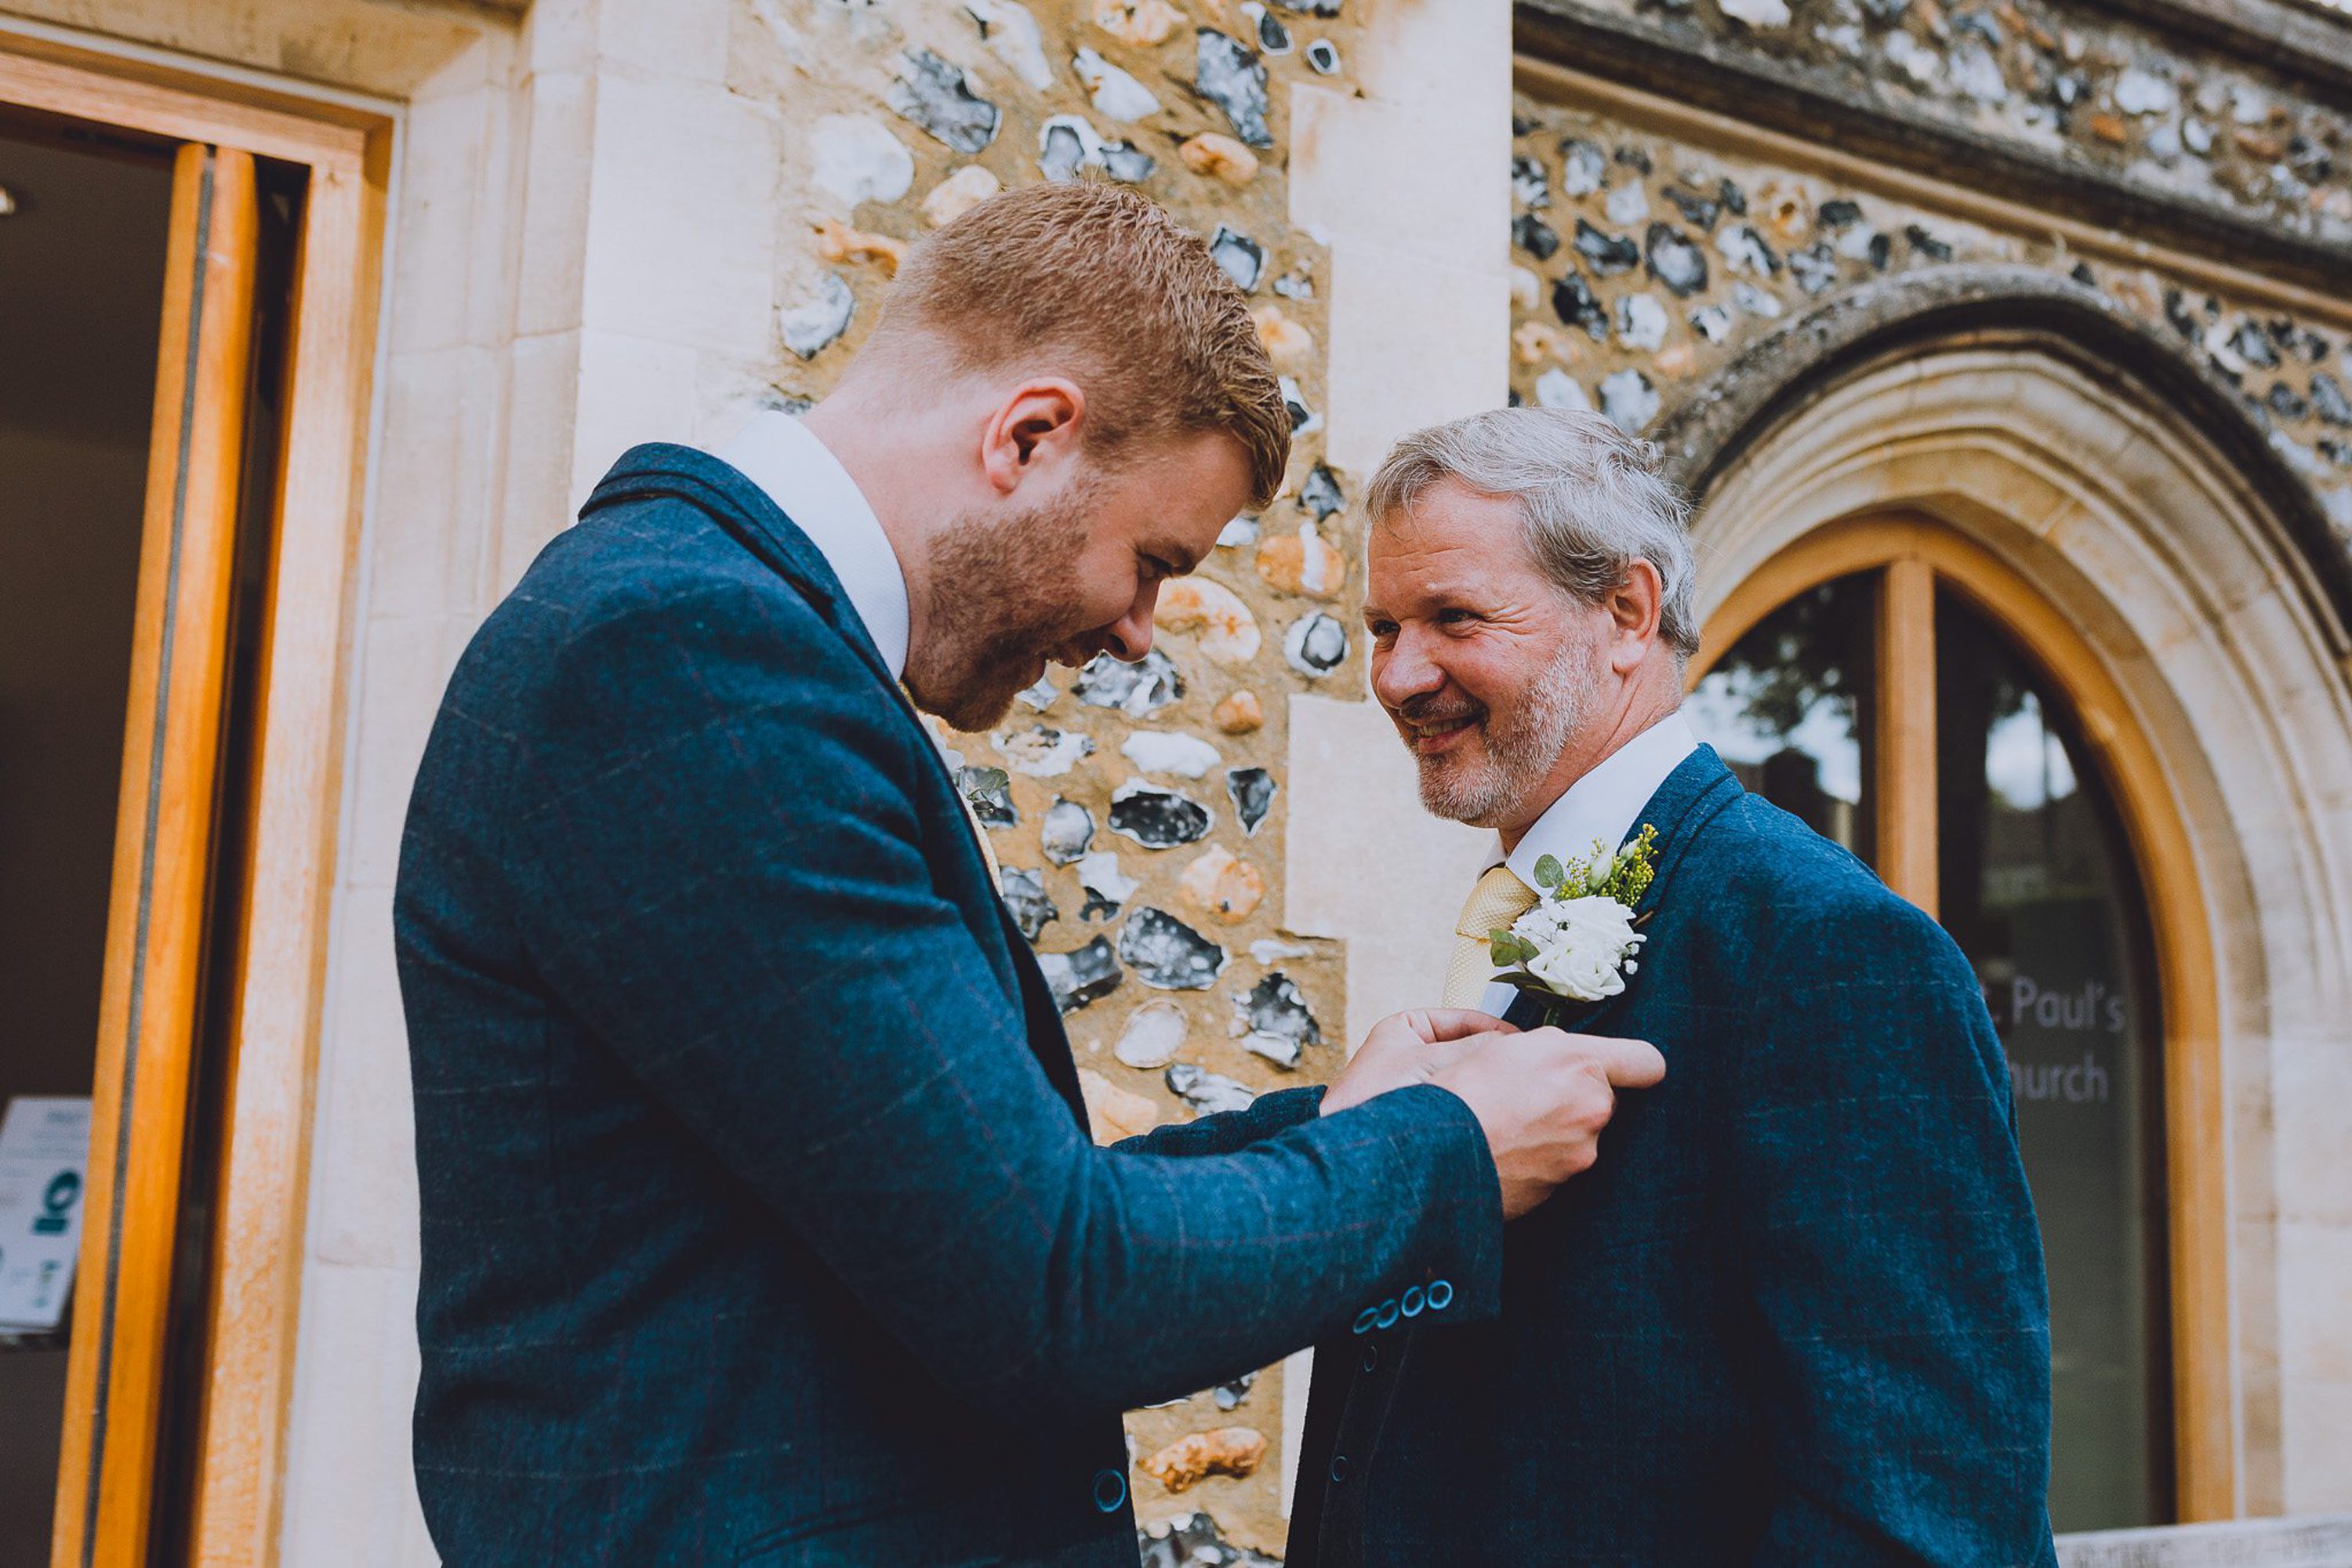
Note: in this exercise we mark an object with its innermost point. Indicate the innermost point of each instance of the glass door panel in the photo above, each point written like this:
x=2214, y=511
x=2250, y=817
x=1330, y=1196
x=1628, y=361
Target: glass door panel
x=1894, y=716
x=1791, y=706
x=2040, y=895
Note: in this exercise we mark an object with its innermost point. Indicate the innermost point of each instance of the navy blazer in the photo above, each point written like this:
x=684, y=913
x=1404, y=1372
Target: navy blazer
x=760, y=1219
x=1796, y=1314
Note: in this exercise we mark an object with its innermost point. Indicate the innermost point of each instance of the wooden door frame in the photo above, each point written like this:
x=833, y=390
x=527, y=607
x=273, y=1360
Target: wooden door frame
x=297, y=782
x=2188, y=979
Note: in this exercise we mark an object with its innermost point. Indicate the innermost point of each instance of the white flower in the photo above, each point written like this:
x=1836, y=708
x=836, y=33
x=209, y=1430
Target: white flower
x=1582, y=945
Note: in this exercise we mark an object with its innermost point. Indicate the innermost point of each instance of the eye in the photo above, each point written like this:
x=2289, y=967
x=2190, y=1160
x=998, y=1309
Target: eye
x=1457, y=617
x=1381, y=628
x=1156, y=570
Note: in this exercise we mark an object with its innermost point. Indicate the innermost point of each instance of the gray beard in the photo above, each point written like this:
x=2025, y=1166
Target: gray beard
x=1486, y=791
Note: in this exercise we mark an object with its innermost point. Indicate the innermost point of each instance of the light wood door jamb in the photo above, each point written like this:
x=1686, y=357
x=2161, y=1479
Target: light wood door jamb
x=162, y=857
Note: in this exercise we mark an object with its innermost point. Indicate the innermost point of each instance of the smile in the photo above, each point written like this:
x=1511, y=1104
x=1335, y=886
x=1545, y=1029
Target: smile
x=1430, y=737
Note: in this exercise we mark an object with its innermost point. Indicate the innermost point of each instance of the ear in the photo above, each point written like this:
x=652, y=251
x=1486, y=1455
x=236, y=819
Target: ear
x=1038, y=425
x=1634, y=607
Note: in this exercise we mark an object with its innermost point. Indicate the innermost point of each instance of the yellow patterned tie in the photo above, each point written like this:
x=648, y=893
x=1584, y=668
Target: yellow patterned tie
x=1498, y=900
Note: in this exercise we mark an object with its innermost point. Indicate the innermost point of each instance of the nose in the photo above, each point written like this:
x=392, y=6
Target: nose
x=1129, y=639
x=1405, y=669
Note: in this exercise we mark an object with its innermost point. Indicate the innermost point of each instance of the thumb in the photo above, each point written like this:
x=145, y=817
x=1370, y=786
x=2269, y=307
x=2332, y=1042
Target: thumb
x=1440, y=1024
x=1630, y=1064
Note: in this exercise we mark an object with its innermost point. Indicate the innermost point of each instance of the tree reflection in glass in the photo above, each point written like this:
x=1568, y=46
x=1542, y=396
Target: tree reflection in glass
x=1789, y=708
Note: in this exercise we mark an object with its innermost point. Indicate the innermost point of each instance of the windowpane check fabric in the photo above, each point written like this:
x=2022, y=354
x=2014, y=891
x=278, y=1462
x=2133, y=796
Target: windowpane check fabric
x=752, y=1161
x=1498, y=898
x=1794, y=1316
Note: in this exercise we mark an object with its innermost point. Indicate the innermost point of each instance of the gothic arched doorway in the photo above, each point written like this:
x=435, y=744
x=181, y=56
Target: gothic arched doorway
x=2102, y=543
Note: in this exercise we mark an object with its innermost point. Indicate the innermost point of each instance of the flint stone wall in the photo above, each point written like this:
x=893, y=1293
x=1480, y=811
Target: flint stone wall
x=1661, y=282
x=2234, y=116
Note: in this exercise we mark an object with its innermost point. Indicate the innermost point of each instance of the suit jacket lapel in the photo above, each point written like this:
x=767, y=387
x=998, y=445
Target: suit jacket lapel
x=753, y=521
x=751, y=518
x=1693, y=794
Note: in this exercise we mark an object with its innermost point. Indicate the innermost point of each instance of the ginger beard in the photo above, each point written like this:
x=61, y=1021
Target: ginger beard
x=1483, y=781
x=995, y=613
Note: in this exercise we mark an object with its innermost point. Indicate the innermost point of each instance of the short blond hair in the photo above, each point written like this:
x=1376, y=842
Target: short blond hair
x=1150, y=326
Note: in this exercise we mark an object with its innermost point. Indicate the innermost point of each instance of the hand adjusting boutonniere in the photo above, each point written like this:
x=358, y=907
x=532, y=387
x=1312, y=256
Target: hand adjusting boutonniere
x=1576, y=944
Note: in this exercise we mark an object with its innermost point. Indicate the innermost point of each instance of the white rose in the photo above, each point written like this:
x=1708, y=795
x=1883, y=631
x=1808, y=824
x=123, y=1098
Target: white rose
x=1582, y=945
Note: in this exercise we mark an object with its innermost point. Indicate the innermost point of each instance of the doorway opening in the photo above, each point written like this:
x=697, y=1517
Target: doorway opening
x=131, y=405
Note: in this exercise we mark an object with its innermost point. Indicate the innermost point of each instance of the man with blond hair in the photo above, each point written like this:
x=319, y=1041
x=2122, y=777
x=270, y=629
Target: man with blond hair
x=760, y=1219
x=1796, y=1316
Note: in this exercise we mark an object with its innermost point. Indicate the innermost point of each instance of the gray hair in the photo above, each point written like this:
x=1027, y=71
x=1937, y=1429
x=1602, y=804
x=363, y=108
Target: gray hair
x=1590, y=495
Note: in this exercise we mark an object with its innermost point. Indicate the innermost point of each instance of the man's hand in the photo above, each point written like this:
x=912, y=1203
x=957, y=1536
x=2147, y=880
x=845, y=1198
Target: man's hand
x=1543, y=1097
x=1406, y=1049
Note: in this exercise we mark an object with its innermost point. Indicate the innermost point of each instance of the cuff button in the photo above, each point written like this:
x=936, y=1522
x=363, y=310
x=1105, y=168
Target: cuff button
x=1388, y=1310
x=1367, y=1319
x=1413, y=1301
x=1441, y=1295
x=1110, y=1492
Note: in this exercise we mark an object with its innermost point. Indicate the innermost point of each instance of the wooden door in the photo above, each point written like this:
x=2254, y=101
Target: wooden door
x=163, y=858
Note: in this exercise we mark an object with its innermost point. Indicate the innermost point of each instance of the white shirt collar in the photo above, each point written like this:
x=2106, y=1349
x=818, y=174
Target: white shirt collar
x=1603, y=805
x=808, y=484
x=1606, y=803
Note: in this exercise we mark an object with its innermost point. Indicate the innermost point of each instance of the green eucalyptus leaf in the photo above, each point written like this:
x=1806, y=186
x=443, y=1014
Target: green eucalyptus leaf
x=1508, y=948
x=1549, y=873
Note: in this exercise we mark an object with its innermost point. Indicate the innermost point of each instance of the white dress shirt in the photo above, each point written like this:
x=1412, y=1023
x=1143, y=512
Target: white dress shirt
x=1605, y=805
x=783, y=458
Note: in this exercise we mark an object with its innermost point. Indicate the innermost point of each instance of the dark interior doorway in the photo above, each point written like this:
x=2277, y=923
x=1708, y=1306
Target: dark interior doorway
x=82, y=280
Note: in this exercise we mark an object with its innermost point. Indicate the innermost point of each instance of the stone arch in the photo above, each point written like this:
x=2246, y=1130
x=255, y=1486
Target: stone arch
x=2134, y=494
x=1776, y=379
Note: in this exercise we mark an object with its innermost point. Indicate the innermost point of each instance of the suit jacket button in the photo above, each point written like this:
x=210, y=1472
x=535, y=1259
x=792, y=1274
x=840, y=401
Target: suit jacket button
x=1372, y=1358
x=1441, y=1295
x=1387, y=1320
x=1338, y=1467
x=1110, y=1492
x=1412, y=1300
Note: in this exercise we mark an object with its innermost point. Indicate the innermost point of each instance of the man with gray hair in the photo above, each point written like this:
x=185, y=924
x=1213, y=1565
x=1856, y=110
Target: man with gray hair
x=1796, y=1314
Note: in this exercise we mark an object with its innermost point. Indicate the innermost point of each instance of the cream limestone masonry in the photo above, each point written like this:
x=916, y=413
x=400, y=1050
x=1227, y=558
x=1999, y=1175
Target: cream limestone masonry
x=453, y=410
x=1408, y=186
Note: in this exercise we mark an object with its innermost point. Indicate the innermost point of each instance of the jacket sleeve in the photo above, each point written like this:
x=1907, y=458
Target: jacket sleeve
x=1891, y=1243
x=718, y=864
x=1230, y=1131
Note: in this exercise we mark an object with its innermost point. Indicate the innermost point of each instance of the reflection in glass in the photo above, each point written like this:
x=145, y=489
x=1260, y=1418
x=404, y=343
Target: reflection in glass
x=1789, y=708
x=2039, y=893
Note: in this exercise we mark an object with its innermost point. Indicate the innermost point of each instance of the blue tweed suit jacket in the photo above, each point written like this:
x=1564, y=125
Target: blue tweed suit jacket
x=1796, y=1315
x=760, y=1221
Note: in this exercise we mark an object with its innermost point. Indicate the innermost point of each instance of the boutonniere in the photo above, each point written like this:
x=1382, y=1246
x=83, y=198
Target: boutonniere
x=1577, y=943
